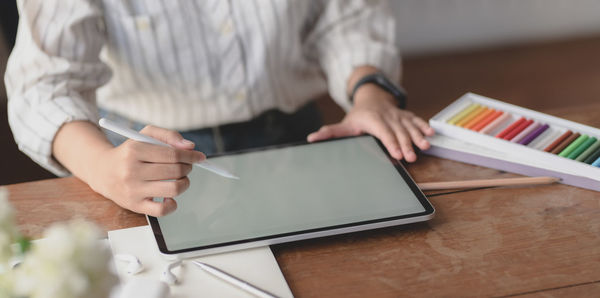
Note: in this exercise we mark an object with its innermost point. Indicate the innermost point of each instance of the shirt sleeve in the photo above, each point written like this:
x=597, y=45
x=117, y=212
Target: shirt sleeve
x=352, y=33
x=53, y=73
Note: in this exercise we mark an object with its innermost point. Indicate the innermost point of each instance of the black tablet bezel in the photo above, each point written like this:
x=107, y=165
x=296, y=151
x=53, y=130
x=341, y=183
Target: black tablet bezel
x=429, y=210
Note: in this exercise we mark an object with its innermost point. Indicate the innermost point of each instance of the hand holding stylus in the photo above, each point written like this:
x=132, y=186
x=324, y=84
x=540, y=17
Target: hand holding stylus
x=134, y=135
x=142, y=170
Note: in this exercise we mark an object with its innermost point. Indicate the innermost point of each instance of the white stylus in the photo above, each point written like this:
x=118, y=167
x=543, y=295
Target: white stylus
x=134, y=135
x=244, y=285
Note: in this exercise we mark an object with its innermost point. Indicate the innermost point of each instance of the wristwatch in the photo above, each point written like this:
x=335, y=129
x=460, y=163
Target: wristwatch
x=380, y=80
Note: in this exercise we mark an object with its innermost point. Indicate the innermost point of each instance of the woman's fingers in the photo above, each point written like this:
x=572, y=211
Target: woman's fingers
x=404, y=139
x=133, y=172
x=377, y=127
x=168, y=136
x=397, y=130
x=164, y=171
x=338, y=130
x=160, y=154
x=157, y=209
x=169, y=188
x=423, y=126
x=415, y=134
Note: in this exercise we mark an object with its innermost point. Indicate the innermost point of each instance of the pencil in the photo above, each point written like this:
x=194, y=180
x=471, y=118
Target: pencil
x=487, y=183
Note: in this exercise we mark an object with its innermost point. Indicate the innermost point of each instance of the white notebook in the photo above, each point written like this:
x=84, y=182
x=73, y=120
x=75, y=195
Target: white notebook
x=256, y=266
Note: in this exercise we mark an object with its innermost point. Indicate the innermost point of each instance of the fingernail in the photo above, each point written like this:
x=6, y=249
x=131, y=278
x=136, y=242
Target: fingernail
x=186, y=143
x=202, y=157
x=397, y=153
x=173, y=206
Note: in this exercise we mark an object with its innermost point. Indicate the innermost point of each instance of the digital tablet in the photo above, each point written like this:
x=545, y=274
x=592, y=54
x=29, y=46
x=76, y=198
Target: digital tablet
x=290, y=193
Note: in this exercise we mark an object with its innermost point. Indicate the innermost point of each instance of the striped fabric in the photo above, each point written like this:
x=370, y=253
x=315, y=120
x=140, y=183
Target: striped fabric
x=185, y=64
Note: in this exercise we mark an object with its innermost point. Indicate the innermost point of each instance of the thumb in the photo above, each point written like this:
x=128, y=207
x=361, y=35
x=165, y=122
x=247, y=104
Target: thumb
x=333, y=131
x=168, y=136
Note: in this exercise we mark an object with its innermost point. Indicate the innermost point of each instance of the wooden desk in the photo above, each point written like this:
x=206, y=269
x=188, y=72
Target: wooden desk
x=530, y=241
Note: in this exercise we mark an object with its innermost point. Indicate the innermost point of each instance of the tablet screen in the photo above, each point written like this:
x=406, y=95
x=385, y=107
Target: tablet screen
x=287, y=190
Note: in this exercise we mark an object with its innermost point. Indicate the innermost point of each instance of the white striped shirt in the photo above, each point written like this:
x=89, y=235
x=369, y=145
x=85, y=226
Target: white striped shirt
x=185, y=64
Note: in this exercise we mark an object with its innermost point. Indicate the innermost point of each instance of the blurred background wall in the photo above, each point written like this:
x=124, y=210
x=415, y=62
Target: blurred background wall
x=437, y=26
x=14, y=166
x=434, y=35
x=3, y=55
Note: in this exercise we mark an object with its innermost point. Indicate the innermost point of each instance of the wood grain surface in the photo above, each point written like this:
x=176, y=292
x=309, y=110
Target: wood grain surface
x=40, y=203
x=536, y=241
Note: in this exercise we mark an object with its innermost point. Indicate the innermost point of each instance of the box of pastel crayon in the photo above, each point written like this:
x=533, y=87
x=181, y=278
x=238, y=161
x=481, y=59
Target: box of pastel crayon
x=492, y=133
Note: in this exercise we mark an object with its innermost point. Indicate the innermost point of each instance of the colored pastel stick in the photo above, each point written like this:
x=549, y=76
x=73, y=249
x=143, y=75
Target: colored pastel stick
x=534, y=134
x=596, y=163
x=588, y=151
x=479, y=118
x=565, y=143
x=581, y=148
x=525, y=132
x=545, y=139
x=513, y=133
x=573, y=145
x=485, y=121
x=559, y=140
x=495, y=123
x=470, y=116
x=593, y=157
x=510, y=128
x=463, y=113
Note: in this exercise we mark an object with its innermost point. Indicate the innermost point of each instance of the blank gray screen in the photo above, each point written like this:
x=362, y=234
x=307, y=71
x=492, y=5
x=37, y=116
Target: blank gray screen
x=288, y=189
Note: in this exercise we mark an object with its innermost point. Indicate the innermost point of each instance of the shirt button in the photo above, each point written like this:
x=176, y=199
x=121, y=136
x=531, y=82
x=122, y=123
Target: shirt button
x=227, y=28
x=142, y=23
x=240, y=96
x=101, y=26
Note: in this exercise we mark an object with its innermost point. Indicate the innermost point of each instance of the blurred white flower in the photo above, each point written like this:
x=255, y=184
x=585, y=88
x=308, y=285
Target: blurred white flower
x=8, y=236
x=69, y=262
x=8, y=231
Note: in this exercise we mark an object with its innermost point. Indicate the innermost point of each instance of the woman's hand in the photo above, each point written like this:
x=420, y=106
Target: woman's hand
x=375, y=113
x=132, y=173
x=135, y=172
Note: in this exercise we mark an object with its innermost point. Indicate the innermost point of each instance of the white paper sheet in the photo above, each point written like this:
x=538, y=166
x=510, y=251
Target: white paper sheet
x=256, y=266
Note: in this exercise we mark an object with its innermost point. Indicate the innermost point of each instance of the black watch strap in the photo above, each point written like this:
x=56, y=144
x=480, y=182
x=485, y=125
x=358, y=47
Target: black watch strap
x=380, y=80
